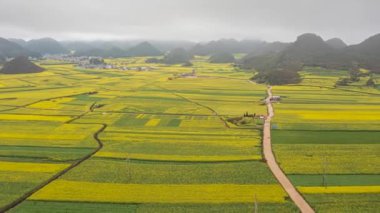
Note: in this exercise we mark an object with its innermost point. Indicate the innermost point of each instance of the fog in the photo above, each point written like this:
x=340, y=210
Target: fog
x=195, y=20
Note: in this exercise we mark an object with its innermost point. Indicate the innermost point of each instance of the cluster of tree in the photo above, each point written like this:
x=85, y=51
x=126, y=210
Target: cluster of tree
x=371, y=82
x=222, y=57
x=354, y=76
x=96, y=61
x=312, y=50
x=279, y=73
x=175, y=56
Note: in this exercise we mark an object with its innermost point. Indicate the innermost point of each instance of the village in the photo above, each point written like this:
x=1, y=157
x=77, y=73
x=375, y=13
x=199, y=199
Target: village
x=93, y=62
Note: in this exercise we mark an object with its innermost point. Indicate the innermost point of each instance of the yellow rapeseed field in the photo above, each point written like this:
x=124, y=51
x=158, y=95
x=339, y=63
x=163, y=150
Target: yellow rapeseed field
x=206, y=158
x=31, y=167
x=340, y=189
x=52, y=104
x=159, y=193
x=18, y=117
x=153, y=122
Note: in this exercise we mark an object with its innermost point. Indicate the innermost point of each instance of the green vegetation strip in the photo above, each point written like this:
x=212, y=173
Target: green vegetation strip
x=325, y=137
x=335, y=180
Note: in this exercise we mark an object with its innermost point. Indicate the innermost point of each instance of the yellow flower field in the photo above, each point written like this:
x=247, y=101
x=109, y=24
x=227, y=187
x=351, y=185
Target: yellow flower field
x=18, y=117
x=198, y=158
x=153, y=122
x=159, y=193
x=31, y=167
x=340, y=189
x=52, y=104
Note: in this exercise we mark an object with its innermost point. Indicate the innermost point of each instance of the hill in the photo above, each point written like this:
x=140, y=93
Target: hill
x=308, y=50
x=367, y=53
x=20, y=42
x=10, y=49
x=20, y=65
x=45, y=46
x=222, y=58
x=177, y=56
x=143, y=49
x=226, y=46
x=336, y=43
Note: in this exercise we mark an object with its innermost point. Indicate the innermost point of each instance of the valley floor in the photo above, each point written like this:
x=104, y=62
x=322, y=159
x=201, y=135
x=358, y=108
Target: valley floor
x=165, y=145
x=76, y=140
x=327, y=140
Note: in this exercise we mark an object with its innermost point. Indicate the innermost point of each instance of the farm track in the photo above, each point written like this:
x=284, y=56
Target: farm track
x=72, y=166
x=61, y=173
x=297, y=198
x=46, y=99
x=199, y=104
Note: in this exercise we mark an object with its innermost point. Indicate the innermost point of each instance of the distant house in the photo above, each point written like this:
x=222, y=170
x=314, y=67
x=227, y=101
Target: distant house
x=275, y=98
x=192, y=74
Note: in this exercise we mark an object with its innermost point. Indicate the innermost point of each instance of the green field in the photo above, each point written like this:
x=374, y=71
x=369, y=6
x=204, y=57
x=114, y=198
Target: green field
x=327, y=136
x=167, y=146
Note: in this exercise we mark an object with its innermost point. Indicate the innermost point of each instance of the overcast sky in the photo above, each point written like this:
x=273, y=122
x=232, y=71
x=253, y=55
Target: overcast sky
x=196, y=20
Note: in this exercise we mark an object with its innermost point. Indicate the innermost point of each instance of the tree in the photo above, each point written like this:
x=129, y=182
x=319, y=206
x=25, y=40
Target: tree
x=355, y=72
x=371, y=82
x=153, y=60
x=343, y=82
x=222, y=58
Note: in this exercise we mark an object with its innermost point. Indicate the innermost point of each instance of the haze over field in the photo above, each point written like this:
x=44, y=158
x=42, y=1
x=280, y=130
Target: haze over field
x=195, y=20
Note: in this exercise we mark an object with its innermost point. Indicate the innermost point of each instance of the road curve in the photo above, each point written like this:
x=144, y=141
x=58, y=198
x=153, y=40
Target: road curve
x=274, y=167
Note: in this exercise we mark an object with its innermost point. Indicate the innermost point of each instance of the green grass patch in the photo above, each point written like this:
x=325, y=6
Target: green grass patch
x=121, y=171
x=335, y=180
x=325, y=137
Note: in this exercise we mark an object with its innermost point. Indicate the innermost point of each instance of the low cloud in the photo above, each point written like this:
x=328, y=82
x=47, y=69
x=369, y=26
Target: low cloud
x=195, y=20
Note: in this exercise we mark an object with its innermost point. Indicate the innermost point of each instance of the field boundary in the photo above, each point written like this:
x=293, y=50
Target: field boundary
x=58, y=175
x=293, y=193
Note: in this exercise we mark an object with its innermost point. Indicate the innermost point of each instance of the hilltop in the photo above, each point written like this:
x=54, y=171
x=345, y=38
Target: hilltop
x=143, y=49
x=222, y=58
x=45, y=46
x=10, y=49
x=336, y=43
x=20, y=65
x=311, y=50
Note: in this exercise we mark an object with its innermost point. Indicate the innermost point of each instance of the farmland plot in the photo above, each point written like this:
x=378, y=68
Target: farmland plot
x=327, y=140
x=167, y=144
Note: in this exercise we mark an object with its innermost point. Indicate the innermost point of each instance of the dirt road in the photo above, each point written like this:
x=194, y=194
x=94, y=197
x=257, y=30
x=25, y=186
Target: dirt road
x=274, y=167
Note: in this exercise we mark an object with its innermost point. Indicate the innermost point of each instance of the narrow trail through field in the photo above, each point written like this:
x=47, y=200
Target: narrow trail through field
x=274, y=167
x=59, y=174
x=214, y=112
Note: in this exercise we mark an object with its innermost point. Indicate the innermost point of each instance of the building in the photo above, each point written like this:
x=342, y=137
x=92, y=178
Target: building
x=275, y=98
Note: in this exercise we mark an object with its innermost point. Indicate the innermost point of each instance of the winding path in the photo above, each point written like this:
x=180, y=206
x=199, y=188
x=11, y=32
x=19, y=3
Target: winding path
x=274, y=167
x=59, y=174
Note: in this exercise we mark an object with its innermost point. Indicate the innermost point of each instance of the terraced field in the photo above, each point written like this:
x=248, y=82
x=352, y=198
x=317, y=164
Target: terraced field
x=326, y=139
x=129, y=141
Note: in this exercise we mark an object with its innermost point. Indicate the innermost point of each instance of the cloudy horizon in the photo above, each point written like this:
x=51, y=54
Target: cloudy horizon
x=196, y=20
